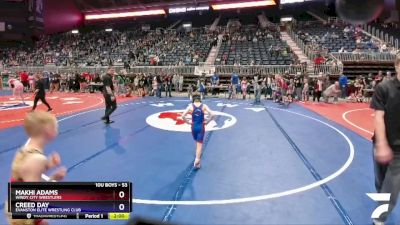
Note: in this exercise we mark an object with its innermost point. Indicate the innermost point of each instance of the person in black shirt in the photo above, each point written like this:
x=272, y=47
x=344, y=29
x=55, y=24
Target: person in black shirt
x=298, y=86
x=168, y=85
x=40, y=93
x=386, y=103
x=109, y=97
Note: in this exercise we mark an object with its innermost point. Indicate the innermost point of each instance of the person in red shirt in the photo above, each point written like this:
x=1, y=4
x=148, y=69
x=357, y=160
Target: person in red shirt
x=83, y=81
x=319, y=60
x=24, y=77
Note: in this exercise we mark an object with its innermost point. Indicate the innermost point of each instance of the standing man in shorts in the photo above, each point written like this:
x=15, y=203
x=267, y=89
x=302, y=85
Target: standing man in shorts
x=386, y=102
x=109, y=96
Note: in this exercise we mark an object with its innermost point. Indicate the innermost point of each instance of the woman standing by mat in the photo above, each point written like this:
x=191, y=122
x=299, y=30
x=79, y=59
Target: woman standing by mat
x=198, y=122
x=244, y=87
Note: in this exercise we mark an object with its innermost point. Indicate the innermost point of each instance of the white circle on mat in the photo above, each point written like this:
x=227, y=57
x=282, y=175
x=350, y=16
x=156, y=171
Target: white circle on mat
x=272, y=195
x=15, y=104
x=308, y=187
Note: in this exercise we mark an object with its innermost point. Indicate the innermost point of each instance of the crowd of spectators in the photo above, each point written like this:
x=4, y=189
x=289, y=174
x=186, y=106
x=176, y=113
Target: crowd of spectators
x=278, y=87
x=125, y=84
x=287, y=88
x=128, y=48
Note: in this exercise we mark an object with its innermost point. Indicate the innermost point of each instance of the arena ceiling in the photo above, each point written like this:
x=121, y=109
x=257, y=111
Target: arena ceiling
x=98, y=5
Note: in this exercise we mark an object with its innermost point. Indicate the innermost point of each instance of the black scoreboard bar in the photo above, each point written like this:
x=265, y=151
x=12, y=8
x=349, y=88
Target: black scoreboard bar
x=70, y=200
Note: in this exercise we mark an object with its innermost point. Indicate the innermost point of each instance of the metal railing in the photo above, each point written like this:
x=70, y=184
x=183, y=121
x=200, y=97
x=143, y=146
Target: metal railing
x=329, y=69
x=382, y=35
x=189, y=70
x=103, y=69
x=370, y=56
x=261, y=69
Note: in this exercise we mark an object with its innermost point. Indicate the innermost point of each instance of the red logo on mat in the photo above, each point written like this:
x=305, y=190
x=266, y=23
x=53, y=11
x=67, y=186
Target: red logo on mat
x=175, y=116
x=172, y=120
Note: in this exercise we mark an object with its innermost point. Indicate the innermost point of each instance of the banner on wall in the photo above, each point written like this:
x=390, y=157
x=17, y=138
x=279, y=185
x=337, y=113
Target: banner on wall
x=36, y=10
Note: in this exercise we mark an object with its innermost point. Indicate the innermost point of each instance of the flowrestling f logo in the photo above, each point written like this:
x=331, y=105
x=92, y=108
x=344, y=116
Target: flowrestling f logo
x=12, y=105
x=383, y=208
x=172, y=121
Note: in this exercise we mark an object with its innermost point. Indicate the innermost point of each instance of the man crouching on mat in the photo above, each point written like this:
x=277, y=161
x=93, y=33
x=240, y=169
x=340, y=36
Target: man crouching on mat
x=30, y=162
x=386, y=102
x=109, y=96
x=198, y=122
x=17, y=88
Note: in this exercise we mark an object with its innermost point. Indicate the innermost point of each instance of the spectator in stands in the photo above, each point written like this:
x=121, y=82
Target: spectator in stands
x=388, y=76
x=383, y=48
x=343, y=85
x=342, y=50
x=319, y=60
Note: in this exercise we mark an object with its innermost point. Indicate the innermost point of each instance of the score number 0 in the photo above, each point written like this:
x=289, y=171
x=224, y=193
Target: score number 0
x=121, y=195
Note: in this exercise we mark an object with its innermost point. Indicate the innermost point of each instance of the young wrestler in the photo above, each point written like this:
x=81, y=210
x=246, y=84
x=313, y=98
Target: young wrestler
x=17, y=88
x=30, y=162
x=198, y=122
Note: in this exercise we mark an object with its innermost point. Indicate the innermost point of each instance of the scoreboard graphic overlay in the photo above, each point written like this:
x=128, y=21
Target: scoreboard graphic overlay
x=70, y=200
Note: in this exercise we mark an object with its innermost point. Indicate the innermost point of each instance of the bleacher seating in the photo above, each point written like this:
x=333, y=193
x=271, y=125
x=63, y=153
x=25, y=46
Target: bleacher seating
x=254, y=47
x=188, y=49
x=336, y=38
